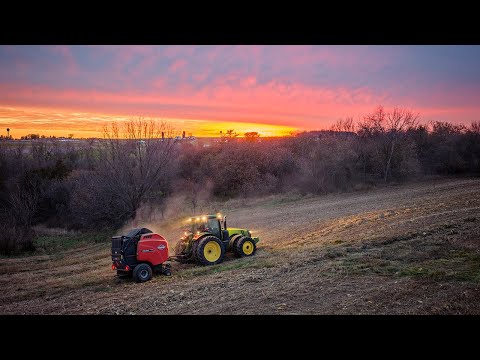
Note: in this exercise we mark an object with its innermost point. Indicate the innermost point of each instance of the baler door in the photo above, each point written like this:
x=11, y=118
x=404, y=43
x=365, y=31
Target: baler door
x=116, y=248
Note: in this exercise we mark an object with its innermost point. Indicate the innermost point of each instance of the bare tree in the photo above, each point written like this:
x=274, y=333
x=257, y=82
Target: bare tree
x=193, y=187
x=346, y=125
x=475, y=127
x=399, y=121
x=135, y=157
x=16, y=227
x=24, y=201
x=390, y=128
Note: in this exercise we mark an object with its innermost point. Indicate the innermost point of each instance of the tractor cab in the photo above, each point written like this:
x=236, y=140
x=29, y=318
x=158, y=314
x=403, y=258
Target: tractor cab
x=211, y=224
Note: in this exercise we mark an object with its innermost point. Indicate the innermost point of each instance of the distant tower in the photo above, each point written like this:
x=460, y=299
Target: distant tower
x=183, y=135
x=163, y=135
x=8, y=133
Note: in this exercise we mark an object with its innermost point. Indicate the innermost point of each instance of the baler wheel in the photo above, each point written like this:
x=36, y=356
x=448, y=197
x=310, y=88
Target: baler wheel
x=142, y=273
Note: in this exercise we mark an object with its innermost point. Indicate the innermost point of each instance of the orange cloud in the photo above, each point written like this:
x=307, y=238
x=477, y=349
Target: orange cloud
x=49, y=122
x=274, y=103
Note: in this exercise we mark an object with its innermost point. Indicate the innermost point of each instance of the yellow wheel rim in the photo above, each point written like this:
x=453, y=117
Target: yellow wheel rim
x=247, y=247
x=212, y=251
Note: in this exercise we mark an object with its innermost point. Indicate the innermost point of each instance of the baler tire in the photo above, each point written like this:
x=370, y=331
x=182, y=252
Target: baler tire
x=142, y=273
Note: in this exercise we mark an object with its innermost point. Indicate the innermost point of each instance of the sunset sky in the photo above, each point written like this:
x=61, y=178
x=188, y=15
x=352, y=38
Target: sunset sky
x=61, y=90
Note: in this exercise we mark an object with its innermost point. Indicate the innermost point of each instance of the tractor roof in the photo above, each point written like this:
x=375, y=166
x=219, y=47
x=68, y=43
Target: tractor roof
x=204, y=217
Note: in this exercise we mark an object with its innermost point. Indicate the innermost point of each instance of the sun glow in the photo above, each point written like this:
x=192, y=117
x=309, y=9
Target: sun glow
x=52, y=122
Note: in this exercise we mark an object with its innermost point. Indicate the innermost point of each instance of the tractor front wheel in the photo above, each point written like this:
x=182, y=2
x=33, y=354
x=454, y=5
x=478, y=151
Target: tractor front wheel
x=209, y=251
x=244, y=246
x=142, y=273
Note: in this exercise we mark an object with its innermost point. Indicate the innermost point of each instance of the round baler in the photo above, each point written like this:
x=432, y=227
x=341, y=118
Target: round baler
x=140, y=253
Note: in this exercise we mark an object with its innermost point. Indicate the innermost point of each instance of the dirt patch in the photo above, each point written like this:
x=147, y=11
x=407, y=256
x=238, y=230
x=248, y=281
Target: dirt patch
x=412, y=249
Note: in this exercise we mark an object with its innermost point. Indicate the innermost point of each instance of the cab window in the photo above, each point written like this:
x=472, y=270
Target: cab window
x=213, y=227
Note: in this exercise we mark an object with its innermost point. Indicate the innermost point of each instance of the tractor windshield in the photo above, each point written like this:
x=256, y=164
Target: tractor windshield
x=208, y=225
x=212, y=226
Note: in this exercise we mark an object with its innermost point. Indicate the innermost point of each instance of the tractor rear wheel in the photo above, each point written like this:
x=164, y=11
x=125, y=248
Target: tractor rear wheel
x=142, y=273
x=193, y=252
x=209, y=251
x=244, y=246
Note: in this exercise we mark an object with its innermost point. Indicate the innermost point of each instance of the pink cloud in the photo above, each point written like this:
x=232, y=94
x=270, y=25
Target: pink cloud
x=249, y=81
x=174, y=51
x=201, y=76
x=66, y=53
x=159, y=82
x=145, y=65
x=273, y=102
x=124, y=55
x=232, y=98
x=177, y=65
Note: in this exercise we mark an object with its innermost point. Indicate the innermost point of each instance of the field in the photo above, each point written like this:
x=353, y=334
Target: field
x=404, y=249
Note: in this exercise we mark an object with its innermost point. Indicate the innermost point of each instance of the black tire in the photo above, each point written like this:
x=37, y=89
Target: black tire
x=142, y=273
x=193, y=251
x=233, y=241
x=244, y=246
x=202, y=251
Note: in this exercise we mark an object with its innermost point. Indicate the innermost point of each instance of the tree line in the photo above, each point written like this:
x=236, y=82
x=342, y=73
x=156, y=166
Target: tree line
x=102, y=184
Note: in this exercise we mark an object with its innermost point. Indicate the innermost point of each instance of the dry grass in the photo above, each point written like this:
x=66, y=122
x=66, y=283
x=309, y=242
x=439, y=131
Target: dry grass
x=412, y=249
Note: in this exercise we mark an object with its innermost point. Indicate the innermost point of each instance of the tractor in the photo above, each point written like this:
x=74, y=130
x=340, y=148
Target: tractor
x=206, y=239
x=139, y=254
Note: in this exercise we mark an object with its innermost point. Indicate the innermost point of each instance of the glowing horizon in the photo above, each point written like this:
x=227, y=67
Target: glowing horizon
x=89, y=125
x=274, y=90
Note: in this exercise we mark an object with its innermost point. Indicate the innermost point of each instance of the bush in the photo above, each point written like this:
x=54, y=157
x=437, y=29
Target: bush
x=14, y=238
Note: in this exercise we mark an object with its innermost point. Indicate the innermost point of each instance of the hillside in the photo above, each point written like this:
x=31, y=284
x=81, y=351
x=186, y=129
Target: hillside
x=406, y=249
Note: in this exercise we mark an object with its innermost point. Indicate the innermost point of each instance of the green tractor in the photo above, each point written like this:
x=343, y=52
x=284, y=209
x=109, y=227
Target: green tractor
x=206, y=239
